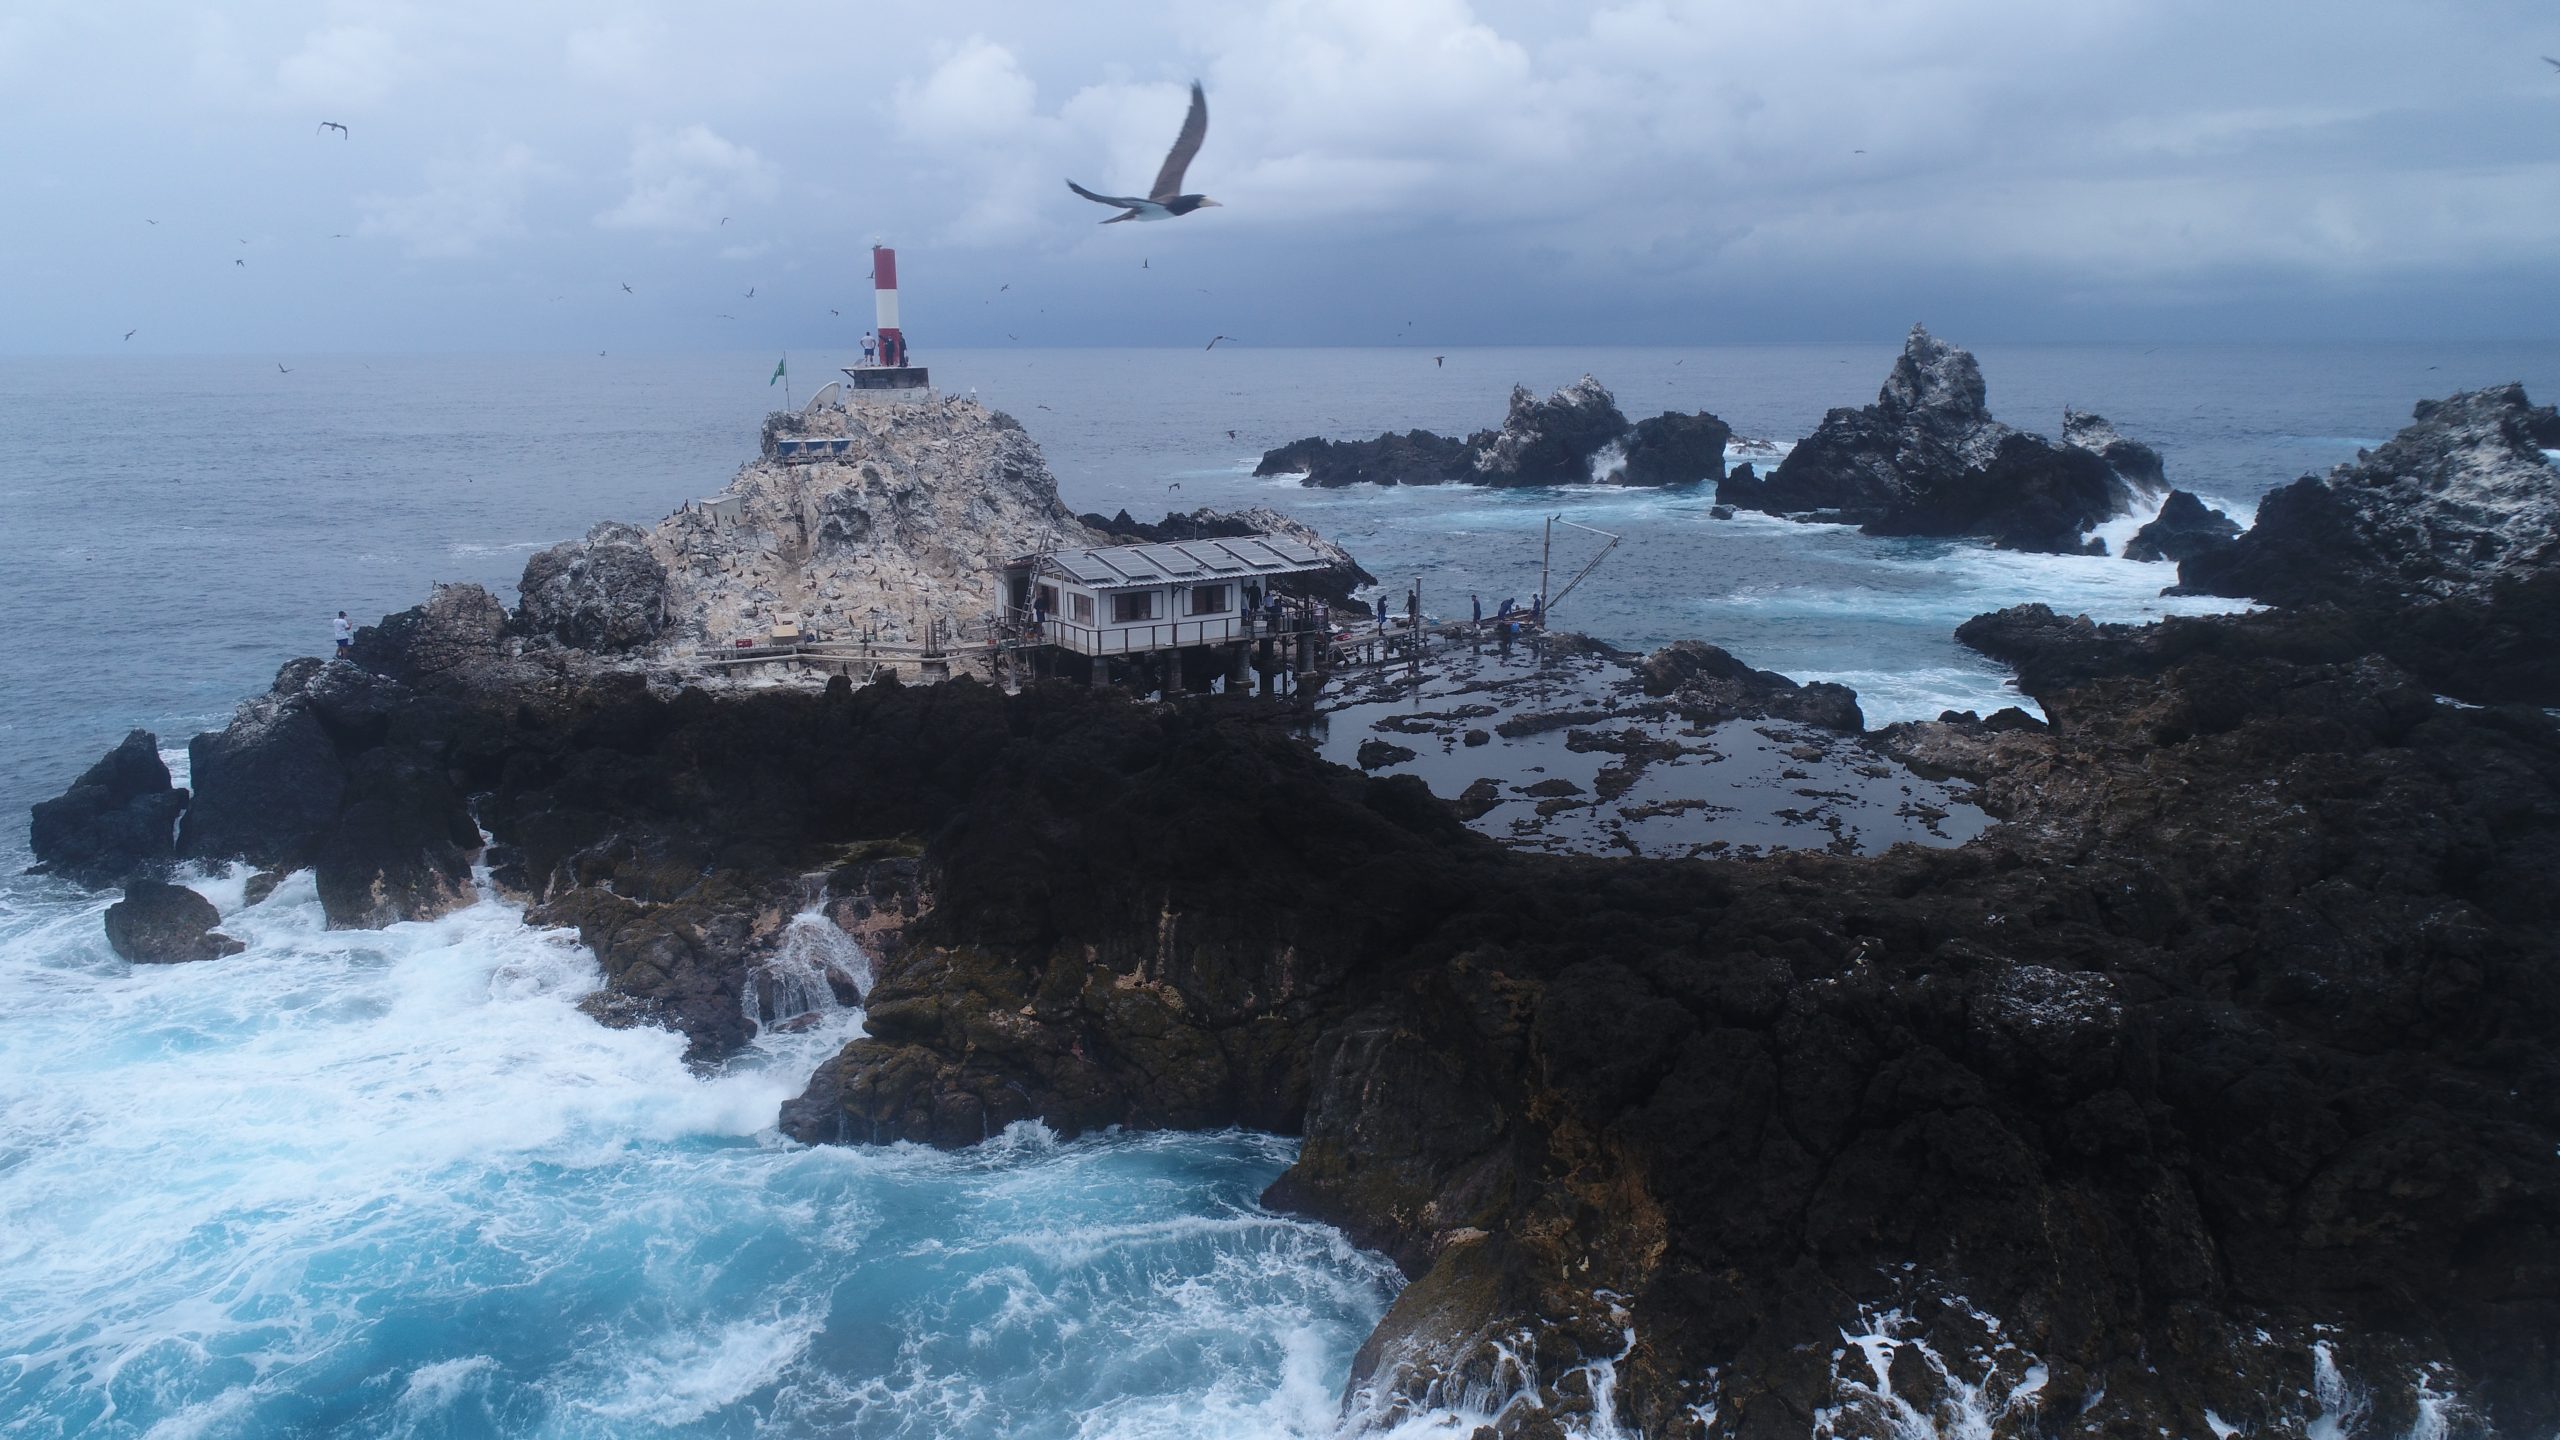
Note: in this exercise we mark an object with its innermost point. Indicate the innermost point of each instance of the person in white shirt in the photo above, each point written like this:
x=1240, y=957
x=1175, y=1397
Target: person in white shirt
x=346, y=633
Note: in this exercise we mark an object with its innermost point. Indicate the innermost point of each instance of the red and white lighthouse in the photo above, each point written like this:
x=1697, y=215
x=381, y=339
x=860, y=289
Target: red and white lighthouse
x=888, y=370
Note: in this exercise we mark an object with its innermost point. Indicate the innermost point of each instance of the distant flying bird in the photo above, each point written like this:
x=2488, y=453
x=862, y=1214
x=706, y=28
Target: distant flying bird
x=626, y=288
x=724, y=219
x=332, y=125
x=835, y=312
x=1170, y=488
x=1164, y=199
x=1213, y=341
x=1141, y=264
x=1048, y=407
x=149, y=221
x=1013, y=337
x=1857, y=152
x=244, y=242
x=281, y=370
x=1231, y=434
x=2554, y=64
x=129, y=334
x=241, y=263
x=727, y=317
x=751, y=292
x=1004, y=287
x=1439, y=360
x=338, y=237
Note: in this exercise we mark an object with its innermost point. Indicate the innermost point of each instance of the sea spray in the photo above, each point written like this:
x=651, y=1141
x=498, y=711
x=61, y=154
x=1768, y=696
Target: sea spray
x=396, y=1182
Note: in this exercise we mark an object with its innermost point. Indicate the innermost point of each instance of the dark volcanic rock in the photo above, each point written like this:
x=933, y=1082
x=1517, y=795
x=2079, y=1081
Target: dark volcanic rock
x=1417, y=457
x=2183, y=529
x=116, y=821
x=2461, y=499
x=400, y=848
x=265, y=787
x=2441, y=549
x=1550, y=441
x=1711, y=685
x=2136, y=463
x=1928, y=459
x=1674, y=449
x=1377, y=754
x=606, y=592
x=157, y=923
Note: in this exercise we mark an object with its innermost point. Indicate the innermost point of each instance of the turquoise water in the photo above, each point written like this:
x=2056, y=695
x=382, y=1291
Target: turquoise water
x=396, y=1183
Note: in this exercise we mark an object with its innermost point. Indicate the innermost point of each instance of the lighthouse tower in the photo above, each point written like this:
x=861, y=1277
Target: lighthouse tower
x=888, y=375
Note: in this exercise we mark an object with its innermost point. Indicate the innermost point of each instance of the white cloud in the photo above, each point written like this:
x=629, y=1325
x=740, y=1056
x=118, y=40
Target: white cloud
x=687, y=180
x=344, y=65
x=467, y=203
x=977, y=94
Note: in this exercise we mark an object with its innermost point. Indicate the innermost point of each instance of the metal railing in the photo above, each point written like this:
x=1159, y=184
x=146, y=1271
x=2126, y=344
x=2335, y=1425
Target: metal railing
x=1140, y=637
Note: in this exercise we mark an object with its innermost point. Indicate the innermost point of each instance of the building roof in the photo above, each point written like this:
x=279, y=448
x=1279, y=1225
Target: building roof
x=1134, y=567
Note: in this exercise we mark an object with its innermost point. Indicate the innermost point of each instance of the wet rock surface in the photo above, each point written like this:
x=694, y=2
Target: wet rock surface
x=157, y=923
x=2182, y=530
x=1551, y=441
x=2135, y=463
x=117, y=821
x=1928, y=459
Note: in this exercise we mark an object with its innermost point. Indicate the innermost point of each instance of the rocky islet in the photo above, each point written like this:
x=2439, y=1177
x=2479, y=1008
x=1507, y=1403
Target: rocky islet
x=2222, y=1059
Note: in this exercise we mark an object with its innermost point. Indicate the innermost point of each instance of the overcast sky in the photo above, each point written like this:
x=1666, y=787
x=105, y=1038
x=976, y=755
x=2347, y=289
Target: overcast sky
x=1652, y=172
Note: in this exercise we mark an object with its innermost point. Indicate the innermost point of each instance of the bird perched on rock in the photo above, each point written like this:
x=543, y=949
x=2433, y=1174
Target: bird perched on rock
x=1165, y=200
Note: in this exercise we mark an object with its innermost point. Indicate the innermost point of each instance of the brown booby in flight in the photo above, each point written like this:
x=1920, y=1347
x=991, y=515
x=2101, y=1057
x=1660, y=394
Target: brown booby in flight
x=1164, y=200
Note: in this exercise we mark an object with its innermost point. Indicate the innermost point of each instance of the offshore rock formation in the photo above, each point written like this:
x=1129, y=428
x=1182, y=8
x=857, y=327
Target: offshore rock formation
x=2137, y=464
x=2443, y=544
x=117, y=821
x=2183, y=529
x=906, y=531
x=1928, y=459
x=1554, y=441
x=1336, y=582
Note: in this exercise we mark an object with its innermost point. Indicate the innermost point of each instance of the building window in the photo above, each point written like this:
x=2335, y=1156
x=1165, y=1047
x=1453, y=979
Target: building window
x=1083, y=608
x=1133, y=606
x=1208, y=599
x=1049, y=599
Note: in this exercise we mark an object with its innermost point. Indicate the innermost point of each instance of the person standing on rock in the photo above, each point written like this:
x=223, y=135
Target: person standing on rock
x=346, y=632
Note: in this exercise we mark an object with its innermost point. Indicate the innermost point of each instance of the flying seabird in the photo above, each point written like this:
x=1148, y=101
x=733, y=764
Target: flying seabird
x=724, y=219
x=149, y=221
x=281, y=370
x=1004, y=287
x=241, y=263
x=835, y=312
x=1164, y=200
x=1213, y=341
x=332, y=125
x=1231, y=434
x=626, y=288
x=751, y=292
x=1439, y=360
x=2554, y=64
x=129, y=334
x=1047, y=407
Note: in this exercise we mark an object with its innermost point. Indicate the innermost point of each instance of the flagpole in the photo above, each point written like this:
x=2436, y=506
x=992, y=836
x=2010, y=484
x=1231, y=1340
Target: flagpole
x=786, y=379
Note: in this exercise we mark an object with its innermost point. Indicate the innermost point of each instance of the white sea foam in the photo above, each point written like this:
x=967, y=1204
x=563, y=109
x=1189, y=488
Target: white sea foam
x=398, y=1182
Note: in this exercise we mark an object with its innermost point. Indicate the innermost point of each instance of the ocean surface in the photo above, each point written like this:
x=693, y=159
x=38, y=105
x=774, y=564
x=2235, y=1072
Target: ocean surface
x=395, y=1183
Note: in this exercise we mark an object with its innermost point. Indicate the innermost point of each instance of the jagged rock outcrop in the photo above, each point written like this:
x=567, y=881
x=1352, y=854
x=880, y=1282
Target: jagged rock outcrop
x=2462, y=498
x=264, y=787
x=606, y=592
x=2137, y=464
x=2182, y=530
x=157, y=923
x=1928, y=459
x=2442, y=547
x=906, y=530
x=117, y=821
x=1674, y=449
x=1335, y=583
x=1550, y=441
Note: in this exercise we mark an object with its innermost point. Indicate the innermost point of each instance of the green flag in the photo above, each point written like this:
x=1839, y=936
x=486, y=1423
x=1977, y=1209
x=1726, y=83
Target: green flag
x=778, y=371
